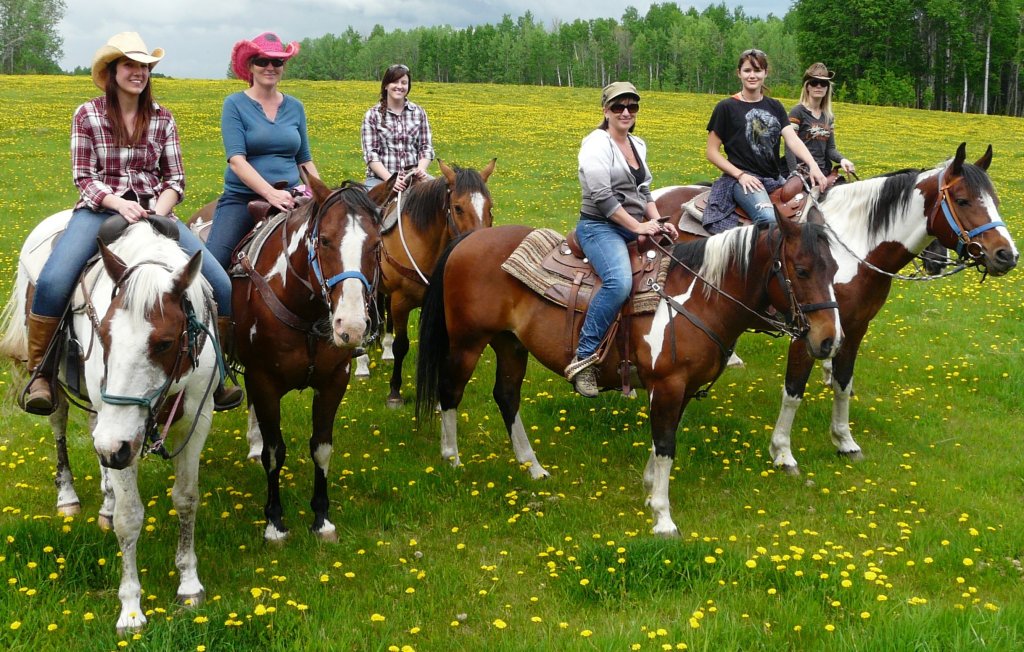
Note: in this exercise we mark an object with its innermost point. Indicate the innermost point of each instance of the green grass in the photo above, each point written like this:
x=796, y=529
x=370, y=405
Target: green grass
x=483, y=557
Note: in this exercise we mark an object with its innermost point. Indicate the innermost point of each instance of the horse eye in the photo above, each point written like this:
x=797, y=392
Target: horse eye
x=324, y=241
x=802, y=272
x=963, y=202
x=163, y=346
x=458, y=209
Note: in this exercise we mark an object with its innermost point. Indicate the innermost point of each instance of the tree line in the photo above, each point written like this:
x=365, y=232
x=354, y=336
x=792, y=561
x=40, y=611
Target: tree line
x=951, y=55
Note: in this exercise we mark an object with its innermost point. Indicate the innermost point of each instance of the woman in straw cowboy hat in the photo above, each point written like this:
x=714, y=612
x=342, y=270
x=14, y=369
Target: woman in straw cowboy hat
x=265, y=141
x=814, y=123
x=125, y=160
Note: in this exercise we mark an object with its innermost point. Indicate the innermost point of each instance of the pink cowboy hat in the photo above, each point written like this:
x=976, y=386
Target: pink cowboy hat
x=267, y=44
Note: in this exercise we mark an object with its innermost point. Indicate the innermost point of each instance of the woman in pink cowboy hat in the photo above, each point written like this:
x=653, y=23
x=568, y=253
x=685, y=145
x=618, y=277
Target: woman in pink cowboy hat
x=812, y=118
x=265, y=141
x=125, y=160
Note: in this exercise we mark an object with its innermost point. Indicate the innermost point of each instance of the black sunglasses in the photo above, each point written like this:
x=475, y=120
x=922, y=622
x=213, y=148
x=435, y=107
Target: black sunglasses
x=263, y=62
x=818, y=82
x=399, y=66
x=753, y=52
x=618, y=108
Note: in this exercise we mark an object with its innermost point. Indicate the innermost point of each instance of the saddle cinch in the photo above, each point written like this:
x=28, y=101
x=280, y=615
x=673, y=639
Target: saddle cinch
x=555, y=268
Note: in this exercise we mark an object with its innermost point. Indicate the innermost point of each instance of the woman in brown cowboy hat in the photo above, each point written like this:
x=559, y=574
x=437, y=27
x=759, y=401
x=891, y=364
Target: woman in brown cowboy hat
x=814, y=123
x=125, y=160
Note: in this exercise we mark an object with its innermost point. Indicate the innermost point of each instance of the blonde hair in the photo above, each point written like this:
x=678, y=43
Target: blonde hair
x=826, y=102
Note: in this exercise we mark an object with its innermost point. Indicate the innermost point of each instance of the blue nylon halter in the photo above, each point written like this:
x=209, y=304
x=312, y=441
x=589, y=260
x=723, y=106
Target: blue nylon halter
x=314, y=261
x=962, y=238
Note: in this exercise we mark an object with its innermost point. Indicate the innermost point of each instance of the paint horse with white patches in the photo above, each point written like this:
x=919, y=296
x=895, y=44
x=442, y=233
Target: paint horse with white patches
x=300, y=311
x=146, y=335
x=432, y=214
x=678, y=349
x=881, y=224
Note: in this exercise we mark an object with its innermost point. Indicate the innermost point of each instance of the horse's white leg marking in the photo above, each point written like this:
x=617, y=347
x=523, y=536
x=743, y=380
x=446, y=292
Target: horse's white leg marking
x=524, y=451
x=128, y=515
x=68, y=503
x=655, y=337
x=254, y=436
x=649, y=473
x=659, y=502
x=449, y=437
x=781, y=451
x=735, y=362
x=106, y=514
x=826, y=371
x=322, y=458
x=185, y=496
x=387, y=343
x=363, y=366
x=478, y=200
x=842, y=438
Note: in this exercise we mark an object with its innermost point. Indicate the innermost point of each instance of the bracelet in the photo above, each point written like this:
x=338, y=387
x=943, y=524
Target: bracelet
x=740, y=176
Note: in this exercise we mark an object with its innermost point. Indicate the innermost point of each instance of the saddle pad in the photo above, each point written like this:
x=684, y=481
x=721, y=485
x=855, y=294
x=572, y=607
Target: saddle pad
x=525, y=264
x=260, y=234
x=691, y=219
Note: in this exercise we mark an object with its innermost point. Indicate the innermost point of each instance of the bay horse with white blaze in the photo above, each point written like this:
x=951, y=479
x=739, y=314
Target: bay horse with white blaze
x=145, y=329
x=881, y=224
x=683, y=345
x=431, y=214
x=299, y=312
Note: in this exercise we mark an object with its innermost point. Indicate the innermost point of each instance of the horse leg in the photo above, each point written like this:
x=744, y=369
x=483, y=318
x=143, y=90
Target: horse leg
x=842, y=389
x=512, y=357
x=128, y=515
x=387, y=345
x=105, y=519
x=667, y=407
x=400, y=347
x=253, y=436
x=185, y=497
x=68, y=503
x=268, y=413
x=325, y=407
x=798, y=369
x=362, y=366
x=451, y=386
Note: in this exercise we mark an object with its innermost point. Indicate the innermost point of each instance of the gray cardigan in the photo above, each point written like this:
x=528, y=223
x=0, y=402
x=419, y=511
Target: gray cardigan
x=606, y=180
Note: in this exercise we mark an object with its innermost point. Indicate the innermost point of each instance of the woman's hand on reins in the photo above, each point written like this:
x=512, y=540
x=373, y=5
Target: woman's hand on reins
x=280, y=199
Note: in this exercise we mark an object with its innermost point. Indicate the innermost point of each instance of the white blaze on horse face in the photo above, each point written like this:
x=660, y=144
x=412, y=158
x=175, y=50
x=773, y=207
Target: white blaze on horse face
x=129, y=373
x=655, y=337
x=478, y=200
x=993, y=215
x=349, y=319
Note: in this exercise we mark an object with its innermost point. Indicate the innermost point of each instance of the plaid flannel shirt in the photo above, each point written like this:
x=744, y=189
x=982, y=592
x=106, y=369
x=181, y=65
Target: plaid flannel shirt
x=398, y=141
x=100, y=168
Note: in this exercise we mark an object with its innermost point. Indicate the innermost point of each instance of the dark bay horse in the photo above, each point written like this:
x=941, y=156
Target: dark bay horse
x=880, y=225
x=473, y=302
x=432, y=214
x=298, y=315
x=144, y=321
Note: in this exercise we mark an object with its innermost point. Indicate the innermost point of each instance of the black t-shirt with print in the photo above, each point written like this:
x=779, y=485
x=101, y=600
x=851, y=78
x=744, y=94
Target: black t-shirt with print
x=750, y=133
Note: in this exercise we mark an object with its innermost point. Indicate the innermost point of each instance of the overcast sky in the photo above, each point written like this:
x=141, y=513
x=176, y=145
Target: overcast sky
x=198, y=34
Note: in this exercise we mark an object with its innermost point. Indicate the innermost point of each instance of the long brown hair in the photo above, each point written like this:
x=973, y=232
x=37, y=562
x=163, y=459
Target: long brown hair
x=122, y=136
x=392, y=74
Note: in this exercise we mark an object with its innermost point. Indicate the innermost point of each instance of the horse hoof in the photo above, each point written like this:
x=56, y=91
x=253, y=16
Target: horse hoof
x=71, y=509
x=193, y=600
x=275, y=536
x=852, y=456
x=387, y=355
x=327, y=536
x=668, y=533
x=789, y=469
x=106, y=523
x=133, y=628
x=395, y=403
x=539, y=472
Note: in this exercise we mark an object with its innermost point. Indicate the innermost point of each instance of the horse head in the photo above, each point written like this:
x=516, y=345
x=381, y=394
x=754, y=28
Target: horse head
x=469, y=201
x=145, y=337
x=804, y=269
x=965, y=215
x=342, y=240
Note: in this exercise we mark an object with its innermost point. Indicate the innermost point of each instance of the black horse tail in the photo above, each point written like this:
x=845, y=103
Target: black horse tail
x=433, y=346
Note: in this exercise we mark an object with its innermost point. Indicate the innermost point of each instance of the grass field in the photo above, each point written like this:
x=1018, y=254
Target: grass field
x=917, y=547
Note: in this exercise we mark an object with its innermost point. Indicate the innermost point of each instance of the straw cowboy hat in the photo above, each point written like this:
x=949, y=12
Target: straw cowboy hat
x=818, y=71
x=125, y=44
x=267, y=44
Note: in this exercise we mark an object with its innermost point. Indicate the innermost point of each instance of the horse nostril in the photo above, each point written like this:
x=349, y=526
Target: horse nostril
x=1006, y=257
x=344, y=337
x=121, y=458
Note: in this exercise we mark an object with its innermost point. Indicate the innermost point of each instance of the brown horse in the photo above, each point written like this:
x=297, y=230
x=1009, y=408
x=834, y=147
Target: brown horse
x=880, y=225
x=299, y=313
x=432, y=213
x=678, y=348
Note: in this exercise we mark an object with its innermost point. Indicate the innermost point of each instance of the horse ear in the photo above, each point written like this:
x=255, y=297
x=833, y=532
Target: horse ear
x=985, y=160
x=957, y=167
x=448, y=173
x=184, y=277
x=111, y=262
x=487, y=171
x=815, y=216
x=320, y=190
x=788, y=227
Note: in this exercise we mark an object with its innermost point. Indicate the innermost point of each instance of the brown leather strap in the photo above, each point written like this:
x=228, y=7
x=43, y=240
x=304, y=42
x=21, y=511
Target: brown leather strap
x=402, y=269
x=286, y=317
x=570, y=313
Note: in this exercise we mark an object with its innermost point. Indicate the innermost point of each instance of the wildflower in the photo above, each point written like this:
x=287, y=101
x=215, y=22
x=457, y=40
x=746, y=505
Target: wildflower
x=377, y=618
x=499, y=623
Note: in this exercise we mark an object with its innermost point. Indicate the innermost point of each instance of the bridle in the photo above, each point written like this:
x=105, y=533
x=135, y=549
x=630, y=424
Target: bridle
x=963, y=240
x=796, y=324
x=313, y=252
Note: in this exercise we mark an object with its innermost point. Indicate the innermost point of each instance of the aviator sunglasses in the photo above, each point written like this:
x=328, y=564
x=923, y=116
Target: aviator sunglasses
x=263, y=62
x=618, y=108
x=817, y=82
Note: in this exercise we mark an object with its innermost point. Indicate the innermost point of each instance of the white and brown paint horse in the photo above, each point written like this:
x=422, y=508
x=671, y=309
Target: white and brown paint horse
x=146, y=340
x=881, y=224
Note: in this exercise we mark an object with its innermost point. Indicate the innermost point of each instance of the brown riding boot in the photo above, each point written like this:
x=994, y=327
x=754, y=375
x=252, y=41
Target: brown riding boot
x=38, y=396
x=226, y=398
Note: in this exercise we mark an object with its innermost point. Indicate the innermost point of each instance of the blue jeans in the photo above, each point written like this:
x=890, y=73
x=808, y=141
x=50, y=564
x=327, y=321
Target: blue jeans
x=231, y=221
x=757, y=205
x=371, y=182
x=604, y=243
x=78, y=244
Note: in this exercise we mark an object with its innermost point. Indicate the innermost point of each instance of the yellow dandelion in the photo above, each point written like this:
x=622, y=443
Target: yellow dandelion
x=830, y=627
x=586, y=633
x=968, y=561
x=16, y=624
x=499, y=623
x=377, y=618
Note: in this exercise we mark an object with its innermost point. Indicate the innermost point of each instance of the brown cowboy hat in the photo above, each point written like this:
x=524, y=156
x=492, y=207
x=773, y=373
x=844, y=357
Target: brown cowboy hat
x=818, y=71
x=125, y=44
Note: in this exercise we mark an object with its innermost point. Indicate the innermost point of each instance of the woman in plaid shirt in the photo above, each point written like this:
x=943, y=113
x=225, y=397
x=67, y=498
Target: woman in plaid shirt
x=396, y=134
x=126, y=160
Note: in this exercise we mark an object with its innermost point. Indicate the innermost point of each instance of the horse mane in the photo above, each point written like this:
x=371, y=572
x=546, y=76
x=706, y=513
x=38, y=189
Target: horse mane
x=424, y=201
x=354, y=195
x=714, y=256
x=140, y=245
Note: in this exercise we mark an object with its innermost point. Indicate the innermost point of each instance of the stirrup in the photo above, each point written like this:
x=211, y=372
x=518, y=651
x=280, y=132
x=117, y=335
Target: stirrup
x=576, y=365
